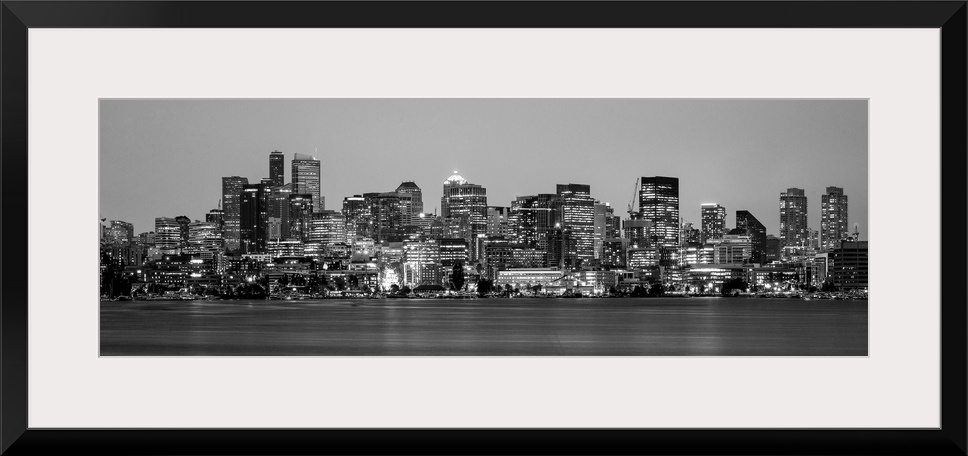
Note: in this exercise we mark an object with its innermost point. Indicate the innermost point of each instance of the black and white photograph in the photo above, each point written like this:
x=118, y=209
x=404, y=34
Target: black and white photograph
x=483, y=227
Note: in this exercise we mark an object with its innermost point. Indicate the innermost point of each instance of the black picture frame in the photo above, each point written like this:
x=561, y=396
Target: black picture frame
x=17, y=16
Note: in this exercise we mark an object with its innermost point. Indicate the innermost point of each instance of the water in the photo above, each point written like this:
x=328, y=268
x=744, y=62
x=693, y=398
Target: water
x=487, y=327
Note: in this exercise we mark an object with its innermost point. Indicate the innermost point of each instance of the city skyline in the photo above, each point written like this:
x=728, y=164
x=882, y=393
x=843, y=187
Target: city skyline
x=134, y=131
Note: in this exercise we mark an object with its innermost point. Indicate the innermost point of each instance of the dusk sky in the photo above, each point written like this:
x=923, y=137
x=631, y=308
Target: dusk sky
x=167, y=157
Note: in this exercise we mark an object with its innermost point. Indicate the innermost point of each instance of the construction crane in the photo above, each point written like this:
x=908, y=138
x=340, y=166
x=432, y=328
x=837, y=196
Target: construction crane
x=634, y=191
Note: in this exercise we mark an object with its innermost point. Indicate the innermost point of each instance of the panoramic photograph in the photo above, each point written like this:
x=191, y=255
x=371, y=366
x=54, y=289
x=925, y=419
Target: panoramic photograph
x=483, y=227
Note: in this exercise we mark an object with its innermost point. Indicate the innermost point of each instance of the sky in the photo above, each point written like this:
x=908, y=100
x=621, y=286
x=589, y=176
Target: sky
x=166, y=157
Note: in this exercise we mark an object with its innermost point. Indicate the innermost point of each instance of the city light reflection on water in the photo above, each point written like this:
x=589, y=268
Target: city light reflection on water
x=480, y=327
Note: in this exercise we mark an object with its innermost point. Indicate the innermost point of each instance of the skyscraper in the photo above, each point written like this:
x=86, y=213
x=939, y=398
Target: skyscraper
x=414, y=206
x=659, y=204
x=277, y=168
x=356, y=215
x=756, y=231
x=833, y=218
x=254, y=218
x=713, y=221
x=231, y=198
x=306, y=178
x=578, y=219
x=467, y=203
x=300, y=216
x=793, y=217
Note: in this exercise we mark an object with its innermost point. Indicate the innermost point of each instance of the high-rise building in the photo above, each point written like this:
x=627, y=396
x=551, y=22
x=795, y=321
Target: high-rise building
x=498, y=222
x=413, y=206
x=467, y=203
x=306, y=179
x=713, y=221
x=356, y=215
x=793, y=217
x=231, y=199
x=327, y=228
x=183, y=223
x=833, y=218
x=384, y=212
x=421, y=263
x=216, y=216
x=120, y=232
x=601, y=210
x=578, y=218
x=204, y=240
x=536, y=217
x=300, y=216
x=757, y=232
x=659, y=204
x=277, y=168
x=254, y=218
x=279, y=211
x=167, y=236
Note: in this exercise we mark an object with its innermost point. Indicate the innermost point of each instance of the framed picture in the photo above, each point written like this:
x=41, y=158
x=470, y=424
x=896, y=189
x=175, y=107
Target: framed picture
x=120, y=106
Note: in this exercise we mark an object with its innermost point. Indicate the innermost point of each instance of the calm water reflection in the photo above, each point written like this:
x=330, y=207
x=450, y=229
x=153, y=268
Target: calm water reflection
x=531, y=327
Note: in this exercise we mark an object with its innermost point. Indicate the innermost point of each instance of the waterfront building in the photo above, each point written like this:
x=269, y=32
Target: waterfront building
x=659, y=204
x=793, y=217
x=757, y=232
x=277, y=169
x=713, y=221
x=327, y=227
x=549, y=279
x=848, y=265
x=833, y=218
x=643, y=257
x=412, y=206
x=300, y=216
x=254, y=218
x=466, y=202
x=578, y=218
x=306, y=179
x=167, y=236
x=231, y=199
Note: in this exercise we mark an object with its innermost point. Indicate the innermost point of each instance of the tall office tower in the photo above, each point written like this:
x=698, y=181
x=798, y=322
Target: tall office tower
x=355, y=214
x=167, y=236
x=713, y=221
x=757, y=232
x=231, y=199
x=300, y=216
x=690, y=234
x=659, y=204
x=385, y=215
x=578, y=219
x=183, y=223
x=833, y=218
x=536, y=217
x=413, y=205
x=279, y=211
x=600, y=210
x=277, y=168
x=254, y=218
x=613, y=223
x=466, y=202
x=306, y=178
x=216, y=216
x=793, y=217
